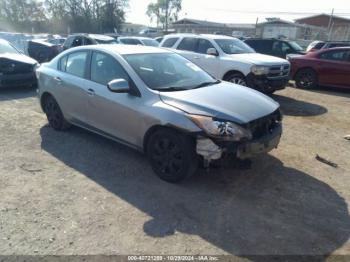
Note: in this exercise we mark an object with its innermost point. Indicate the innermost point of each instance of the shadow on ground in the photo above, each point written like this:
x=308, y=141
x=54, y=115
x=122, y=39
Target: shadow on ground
x=7, y=94
x=271, y=209
x=293, y=107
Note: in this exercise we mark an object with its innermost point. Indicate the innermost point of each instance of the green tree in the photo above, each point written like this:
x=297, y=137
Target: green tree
x=164, y=11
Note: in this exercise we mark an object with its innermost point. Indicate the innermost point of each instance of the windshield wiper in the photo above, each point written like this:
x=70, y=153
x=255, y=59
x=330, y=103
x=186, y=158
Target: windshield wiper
x=204, y=84
x=170, y=89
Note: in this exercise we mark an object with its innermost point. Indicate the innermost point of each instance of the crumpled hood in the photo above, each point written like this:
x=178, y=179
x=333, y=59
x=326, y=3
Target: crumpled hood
x=224, y=101
x=19, y=58
x=259, y=59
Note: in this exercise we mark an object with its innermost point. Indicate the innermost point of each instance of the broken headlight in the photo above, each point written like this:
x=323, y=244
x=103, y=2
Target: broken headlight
x=221, y=129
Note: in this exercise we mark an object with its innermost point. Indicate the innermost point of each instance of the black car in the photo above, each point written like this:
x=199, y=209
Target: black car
x=43, y=50
x=87, y=39
x=275, y=47
x=16, y=69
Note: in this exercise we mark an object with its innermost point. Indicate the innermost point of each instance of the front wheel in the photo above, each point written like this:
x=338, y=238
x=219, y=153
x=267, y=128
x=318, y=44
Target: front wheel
x=172, y=155
x=54, y=114
x=236, y=78
x=306, y=78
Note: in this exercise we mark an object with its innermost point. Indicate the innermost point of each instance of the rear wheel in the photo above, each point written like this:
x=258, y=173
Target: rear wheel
x=54, y=114
x=172, y=155
x=306, y=78
x=236, y=78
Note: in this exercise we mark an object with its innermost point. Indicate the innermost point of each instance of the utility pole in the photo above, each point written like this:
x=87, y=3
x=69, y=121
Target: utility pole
x=256, y=27
x=330, y=24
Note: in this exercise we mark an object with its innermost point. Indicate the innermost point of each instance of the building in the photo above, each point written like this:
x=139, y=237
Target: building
x=337, y=27
x=194, y=26
x=131, y=28
x=278, y=28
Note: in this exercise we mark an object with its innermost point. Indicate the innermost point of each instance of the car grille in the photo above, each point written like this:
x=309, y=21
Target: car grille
x=265, y=125
x=279, y=71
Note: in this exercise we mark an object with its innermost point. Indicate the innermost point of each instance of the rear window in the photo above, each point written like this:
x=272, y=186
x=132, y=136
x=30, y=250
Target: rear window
x=170, y=42
x=129, y=41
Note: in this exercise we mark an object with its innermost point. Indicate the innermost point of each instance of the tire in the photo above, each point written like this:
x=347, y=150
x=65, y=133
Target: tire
x=54, y=114
x=172, y=155
x=306, y=79
x=236, y=78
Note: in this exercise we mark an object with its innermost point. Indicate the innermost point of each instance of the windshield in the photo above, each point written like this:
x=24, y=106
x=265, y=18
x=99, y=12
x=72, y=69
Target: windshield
x=234, y=46
x=104, y=42
x=296, y=46
x=150, y=42
x=7, y=48
x=168, y=72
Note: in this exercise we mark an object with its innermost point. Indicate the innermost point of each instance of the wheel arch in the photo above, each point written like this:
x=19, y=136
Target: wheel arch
x=230, y=72
x=156, y=128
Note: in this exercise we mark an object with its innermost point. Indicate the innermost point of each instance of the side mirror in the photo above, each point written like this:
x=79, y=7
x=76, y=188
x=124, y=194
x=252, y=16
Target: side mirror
x=212, y=51
x=119, y=86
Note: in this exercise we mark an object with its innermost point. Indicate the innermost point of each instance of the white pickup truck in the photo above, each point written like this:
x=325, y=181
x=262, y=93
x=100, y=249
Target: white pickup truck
x=232, y=60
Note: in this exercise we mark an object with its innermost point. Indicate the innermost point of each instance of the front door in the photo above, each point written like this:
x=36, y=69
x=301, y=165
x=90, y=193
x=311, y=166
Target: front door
x=111, y=113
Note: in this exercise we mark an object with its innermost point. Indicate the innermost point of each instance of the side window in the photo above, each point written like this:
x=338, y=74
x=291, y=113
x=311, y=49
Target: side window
x=170, y=42
x=105, y=68
x=76, y=64
x=88, y=41
x=203, y=46
x=63, y=64
x=78, y=41
x=285, y=47
x=342, y=56
x=188, y=44
x=68, y=42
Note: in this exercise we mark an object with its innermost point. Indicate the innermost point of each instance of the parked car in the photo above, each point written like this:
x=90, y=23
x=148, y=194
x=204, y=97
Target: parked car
x=157, y=102
x=42, y=50
x=16, y=69
x=159, y=39
x=319, y=45
x=149, y=32
x=329, y=67
x=114, y=35
x=275, y=47
x=232, y=60
x=87, y=39
x=132, y=40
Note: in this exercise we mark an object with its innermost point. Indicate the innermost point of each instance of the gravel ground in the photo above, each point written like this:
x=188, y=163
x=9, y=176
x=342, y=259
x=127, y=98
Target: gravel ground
x=75, y=193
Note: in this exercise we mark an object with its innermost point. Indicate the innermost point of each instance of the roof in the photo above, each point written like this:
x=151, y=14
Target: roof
x=211, y=24
x=95, y=36
x=323, y=14
x=136, y=37
x=200, y=35
x=125, y=49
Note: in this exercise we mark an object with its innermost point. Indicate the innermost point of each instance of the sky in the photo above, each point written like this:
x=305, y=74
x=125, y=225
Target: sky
x=243, y=11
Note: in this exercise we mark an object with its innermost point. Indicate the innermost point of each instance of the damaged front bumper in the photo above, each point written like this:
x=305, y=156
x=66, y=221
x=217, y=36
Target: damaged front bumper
x=211, y=149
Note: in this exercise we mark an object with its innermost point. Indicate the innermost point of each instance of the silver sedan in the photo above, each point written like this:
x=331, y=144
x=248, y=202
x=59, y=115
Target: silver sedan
x=159, y=103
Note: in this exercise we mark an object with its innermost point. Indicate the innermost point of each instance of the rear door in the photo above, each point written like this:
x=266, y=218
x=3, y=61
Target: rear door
x=187, y=48
x=334, y=67
x=71, y=86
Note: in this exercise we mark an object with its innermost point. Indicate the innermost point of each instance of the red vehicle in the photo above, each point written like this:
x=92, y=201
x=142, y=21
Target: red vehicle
x=330, y=67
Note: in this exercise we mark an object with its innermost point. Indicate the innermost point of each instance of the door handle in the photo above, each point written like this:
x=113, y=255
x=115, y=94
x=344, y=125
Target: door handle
x=58, y=80
x=91, y=92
